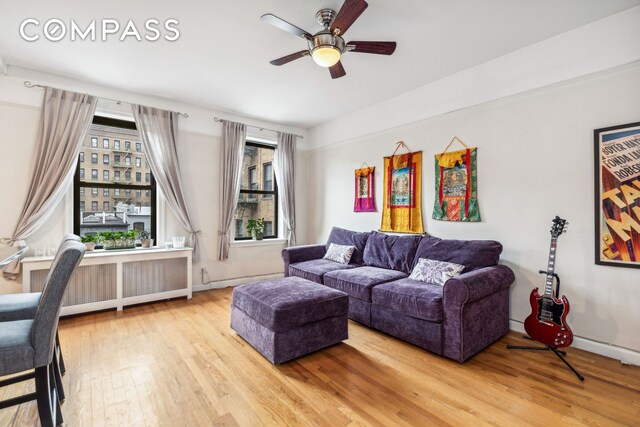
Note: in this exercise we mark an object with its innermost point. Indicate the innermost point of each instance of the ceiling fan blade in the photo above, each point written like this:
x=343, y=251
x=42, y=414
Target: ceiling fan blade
x=379, y=48
x=284, y=25
x=289, y=58
x=349, y=12
x=337, y=71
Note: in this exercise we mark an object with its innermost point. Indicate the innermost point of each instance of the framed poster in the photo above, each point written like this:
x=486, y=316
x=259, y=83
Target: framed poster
x=617, y=195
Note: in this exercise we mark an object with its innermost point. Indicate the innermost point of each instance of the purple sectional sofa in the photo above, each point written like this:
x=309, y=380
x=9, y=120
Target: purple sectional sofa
x=457, y=320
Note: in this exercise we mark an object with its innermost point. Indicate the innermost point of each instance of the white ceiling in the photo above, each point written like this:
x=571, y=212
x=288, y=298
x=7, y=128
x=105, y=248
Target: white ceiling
x=222, y=57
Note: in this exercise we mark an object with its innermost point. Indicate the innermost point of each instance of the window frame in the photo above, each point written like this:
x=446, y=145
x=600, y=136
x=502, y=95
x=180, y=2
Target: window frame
x=77, y=183
x=274, y=192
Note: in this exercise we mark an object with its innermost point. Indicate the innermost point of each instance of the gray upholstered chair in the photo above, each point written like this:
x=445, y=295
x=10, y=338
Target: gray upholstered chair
x=24, y=305
x=30, y=343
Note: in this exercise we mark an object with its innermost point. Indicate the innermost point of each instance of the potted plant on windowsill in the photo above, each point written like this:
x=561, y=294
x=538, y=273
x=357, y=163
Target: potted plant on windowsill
x=145, y=239
x=255, y=227
x=89, y=241
x=118, y=239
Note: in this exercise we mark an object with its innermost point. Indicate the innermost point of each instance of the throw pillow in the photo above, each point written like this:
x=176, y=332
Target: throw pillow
x=339, y=253
x=437, y=272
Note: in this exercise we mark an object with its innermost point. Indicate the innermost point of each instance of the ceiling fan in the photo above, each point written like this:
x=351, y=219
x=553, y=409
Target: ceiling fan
x=327, y=46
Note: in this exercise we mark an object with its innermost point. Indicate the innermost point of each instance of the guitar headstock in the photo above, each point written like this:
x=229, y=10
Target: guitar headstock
x=558, y=226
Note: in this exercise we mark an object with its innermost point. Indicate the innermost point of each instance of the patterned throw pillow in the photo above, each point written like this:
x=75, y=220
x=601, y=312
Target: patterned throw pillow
x=437, y=272
x=339, y=253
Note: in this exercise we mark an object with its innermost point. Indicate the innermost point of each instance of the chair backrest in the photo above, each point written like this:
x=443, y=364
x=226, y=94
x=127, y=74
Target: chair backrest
x=45, y=323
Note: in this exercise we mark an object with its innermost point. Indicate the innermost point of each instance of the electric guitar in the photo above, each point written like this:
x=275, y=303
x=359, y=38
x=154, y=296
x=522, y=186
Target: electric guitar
x=547, y=321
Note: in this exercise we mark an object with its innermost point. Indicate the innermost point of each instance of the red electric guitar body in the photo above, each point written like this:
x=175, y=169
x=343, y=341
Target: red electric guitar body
x=547, y=322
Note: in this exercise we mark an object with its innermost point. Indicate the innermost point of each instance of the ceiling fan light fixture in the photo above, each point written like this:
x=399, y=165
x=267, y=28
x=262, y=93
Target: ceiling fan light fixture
x=326, y=56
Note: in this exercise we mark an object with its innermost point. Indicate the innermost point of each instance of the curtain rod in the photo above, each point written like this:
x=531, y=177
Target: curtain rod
x=257, y=127
x=30, y=85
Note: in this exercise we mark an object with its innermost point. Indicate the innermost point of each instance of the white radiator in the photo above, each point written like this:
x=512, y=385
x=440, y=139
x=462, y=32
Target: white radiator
x=114, y=279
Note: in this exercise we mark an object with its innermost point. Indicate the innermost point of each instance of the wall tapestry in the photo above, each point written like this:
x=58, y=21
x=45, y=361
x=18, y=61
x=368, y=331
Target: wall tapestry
x=402, y=211
x=456, y=185
x=617, y=195
x=365, y=194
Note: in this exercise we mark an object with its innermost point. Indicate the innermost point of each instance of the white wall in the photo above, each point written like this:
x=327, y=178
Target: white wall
x=535, y=161
x=199, y=154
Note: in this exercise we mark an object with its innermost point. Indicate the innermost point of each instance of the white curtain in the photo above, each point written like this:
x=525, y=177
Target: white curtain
x=65, y=119
x=234, y=136
x=284, y=168
x=158, y=130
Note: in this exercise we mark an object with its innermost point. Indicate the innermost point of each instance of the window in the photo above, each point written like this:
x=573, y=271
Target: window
x=128, y=201
x=138, y=162
x=267, y=180
x=253, y=181
x=138, y=147
x=147, y=177
x=138, y=177
x=258, y=191
x=82, y=157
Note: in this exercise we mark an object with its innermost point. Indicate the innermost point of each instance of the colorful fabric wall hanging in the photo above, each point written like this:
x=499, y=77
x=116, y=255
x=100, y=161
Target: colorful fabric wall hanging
x=402, y=211
x=365, y=194
x=456, y=185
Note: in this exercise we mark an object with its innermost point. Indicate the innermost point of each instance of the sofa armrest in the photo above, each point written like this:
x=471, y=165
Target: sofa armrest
x=296, y=254
x=475, y=309
x=477, y=284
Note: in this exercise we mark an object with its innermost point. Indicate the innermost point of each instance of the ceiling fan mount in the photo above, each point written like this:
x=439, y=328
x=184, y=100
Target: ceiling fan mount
x=327, y=46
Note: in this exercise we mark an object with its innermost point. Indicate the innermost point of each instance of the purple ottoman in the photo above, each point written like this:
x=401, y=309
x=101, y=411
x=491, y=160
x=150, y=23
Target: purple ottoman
x=289, y=317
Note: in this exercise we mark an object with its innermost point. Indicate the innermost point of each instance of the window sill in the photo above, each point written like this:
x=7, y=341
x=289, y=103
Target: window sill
x=251, y=243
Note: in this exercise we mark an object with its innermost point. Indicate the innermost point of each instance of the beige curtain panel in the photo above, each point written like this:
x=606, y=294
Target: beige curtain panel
x=284, y=168
x=233, y=140
x=158, y=130
x=65, y=119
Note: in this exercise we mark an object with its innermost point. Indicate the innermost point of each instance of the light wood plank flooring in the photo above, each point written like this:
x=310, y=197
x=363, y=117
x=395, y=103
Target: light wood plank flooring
x=177, y=363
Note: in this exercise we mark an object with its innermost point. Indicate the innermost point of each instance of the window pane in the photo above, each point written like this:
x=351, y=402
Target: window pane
x=123, y=208
x=109, y=148
x=257, y=175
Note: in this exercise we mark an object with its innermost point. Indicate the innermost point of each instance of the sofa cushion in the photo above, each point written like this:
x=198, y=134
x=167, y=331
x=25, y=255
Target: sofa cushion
x=357, y=282
x=315, y=269
x=392, y=252
x=411, y=297
x=339, y=253
x=473, y=254
x=437, y=272
x=340, y=236
x=286, y=303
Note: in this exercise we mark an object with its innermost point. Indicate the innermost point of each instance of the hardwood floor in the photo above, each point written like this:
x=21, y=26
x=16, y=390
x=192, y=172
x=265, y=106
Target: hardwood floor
x=177, y=363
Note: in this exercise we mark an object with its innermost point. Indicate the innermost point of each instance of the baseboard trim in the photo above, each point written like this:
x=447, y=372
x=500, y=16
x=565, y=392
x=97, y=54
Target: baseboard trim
x=624, y=355
x=225, y=283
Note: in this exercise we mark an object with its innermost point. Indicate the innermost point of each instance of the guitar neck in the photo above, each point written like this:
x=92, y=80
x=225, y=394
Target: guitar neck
x=551, y=265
